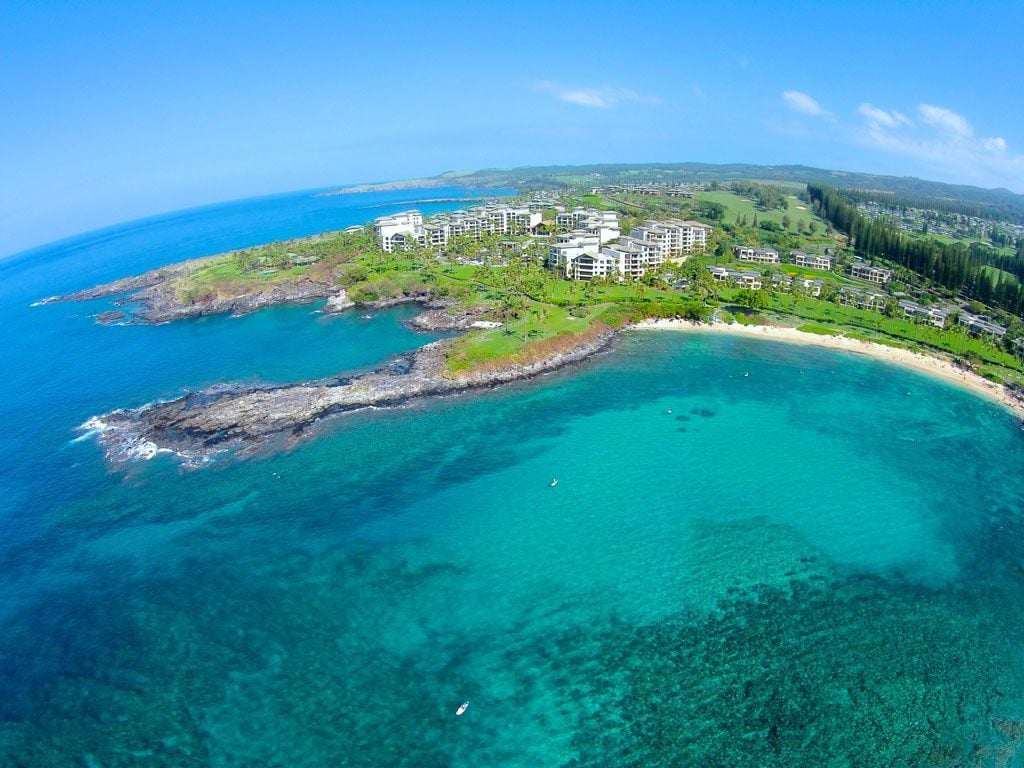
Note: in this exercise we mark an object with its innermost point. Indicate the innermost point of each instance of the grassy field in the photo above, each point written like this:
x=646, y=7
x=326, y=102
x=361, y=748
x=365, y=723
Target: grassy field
x=227, y=269
x=538, y=323
x=737, y=206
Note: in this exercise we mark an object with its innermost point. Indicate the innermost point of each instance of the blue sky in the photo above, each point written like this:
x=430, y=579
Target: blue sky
x=112, y=111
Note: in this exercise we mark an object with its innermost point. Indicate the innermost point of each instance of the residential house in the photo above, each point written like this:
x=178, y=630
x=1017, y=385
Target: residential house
x=759, y=255
x=932, y=315
x=979, y=324
x=871, y=274
x=742, y=278
x=861, y=299
x=811, y=260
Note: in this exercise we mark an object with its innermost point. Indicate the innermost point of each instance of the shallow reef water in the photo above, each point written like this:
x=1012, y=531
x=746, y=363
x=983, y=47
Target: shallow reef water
x=756, y=555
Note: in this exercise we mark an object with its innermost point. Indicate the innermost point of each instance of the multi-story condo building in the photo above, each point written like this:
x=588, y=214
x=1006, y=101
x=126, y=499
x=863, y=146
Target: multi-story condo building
x=570, y=246
x=494, y=219
x=811, y=260
x=594, y=265
x=632, y=260
x=677, y=238
x=759, y=255
x=400, y=229
x=870, y=273
x=604, y=224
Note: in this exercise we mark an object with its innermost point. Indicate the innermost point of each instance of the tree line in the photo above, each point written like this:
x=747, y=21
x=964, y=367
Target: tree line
x=768, y=196
x=955, y=266
x=950, y=206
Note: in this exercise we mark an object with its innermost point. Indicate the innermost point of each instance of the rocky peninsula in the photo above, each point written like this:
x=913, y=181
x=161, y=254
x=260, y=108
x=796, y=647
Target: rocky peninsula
x=243, y=420
x=157, y=296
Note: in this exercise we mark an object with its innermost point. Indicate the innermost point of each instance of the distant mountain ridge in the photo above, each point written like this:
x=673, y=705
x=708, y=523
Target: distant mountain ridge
x=1007, y=204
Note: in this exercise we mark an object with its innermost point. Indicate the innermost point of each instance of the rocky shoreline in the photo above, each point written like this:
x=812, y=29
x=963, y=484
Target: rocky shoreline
x=153, y=297
x=243, y=420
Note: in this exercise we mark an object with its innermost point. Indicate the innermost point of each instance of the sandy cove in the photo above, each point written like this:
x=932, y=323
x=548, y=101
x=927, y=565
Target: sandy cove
x=931, y=365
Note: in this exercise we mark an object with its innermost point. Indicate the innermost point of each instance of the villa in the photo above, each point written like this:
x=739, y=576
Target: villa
x=811, y=287
x=870, y=273
x=931, y=315
x=759, y=255
x=861, y=299
x=743, y=278
x=811, y=260
x=979, y=324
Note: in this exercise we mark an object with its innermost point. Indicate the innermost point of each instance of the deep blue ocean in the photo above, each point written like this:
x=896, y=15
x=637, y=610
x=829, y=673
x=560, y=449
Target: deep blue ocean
x=757, y=554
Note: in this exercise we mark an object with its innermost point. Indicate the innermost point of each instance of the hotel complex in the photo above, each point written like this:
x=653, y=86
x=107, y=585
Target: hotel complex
x=646, y=247
x=403, y=229
x=588, y=243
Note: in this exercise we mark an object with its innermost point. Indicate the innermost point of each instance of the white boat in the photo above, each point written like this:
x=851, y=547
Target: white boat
x=554, y=482
x=462, y=708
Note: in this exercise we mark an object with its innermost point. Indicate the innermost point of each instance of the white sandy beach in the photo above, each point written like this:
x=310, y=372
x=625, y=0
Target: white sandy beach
x=928, y=364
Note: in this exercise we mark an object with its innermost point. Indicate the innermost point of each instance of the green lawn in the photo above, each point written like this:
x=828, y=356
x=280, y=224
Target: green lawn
x=737, y=206
x=537, y=323
x=877, y=327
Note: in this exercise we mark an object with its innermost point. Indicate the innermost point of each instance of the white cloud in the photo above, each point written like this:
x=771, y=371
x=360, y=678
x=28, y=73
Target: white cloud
x=881, y=117
x=995, y=144
x=945, y=142
x=804, y=104
x=602, y=98
x=945, y=120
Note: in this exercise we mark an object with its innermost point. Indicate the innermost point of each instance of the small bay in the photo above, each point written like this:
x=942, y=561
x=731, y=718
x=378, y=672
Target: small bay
x=756, y=553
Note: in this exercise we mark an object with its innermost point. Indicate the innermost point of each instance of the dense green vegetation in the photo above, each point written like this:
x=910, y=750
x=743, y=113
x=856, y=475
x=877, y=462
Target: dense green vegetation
x=541, y=313
x=1003, y=204
x=955, y=266
x=262, y=266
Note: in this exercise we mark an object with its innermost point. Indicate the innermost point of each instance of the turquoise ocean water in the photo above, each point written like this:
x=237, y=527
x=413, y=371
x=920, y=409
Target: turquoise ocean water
x=756, y=553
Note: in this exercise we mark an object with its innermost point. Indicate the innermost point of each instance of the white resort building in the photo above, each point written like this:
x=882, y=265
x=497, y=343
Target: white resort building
x=568, y=247
x=400, y=229
x=645, y=248
x=758, y=255
x=861, y=299
x=604, y=224
x=677, y=238
x=745, y=278
x=595, y=265
x=592, y=247
x=870, y=273
x=933, y=315
x=811, y=260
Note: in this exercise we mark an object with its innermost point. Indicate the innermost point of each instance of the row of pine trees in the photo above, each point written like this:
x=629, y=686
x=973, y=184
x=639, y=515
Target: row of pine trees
x=956, y=266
